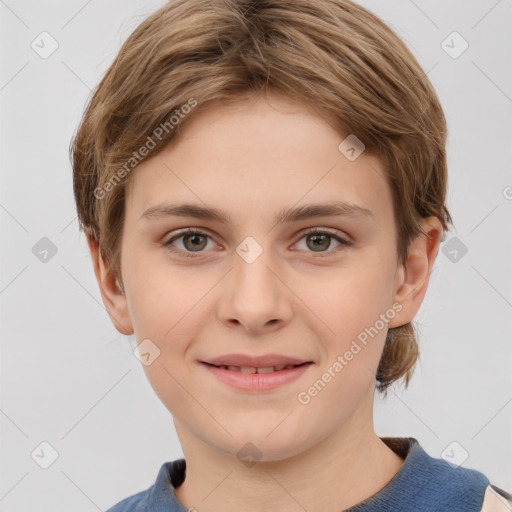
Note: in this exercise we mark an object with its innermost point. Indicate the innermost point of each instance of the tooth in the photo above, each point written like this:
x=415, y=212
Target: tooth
x=234, y=368
x=266, y=370
x=223, y=367
x=288, y=366
x=280, y=367
x=247, y=369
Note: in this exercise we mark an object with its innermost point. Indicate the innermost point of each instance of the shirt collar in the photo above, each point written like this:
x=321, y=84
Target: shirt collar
x=418, y=473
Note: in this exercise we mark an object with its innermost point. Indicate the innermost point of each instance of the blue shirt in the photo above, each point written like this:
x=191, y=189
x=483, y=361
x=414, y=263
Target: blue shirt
x=423, y=484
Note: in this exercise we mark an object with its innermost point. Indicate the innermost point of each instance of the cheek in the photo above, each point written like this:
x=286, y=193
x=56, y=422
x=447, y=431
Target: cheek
x=163, y=298
x=351, y=300
x=357, y=311
x=357, y=308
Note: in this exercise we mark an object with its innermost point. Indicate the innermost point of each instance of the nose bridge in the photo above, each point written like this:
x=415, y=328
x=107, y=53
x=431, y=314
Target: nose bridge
x=253, y=295
x=252, y=277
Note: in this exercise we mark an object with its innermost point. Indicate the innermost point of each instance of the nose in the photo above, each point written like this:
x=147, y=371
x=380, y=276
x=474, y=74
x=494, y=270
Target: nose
x=254, y=296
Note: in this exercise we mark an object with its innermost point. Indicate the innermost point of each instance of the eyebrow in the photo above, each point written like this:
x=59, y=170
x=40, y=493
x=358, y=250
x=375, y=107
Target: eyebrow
x=299, y=213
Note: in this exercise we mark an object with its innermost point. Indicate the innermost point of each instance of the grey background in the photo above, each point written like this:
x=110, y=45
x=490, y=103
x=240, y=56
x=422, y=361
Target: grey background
x=68, y=378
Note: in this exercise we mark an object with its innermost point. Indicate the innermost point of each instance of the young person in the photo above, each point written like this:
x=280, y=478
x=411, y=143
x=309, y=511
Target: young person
x=262, y=185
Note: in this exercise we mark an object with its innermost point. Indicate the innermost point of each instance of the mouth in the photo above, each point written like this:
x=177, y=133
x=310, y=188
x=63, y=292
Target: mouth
x=256, y=374
x=258, y=369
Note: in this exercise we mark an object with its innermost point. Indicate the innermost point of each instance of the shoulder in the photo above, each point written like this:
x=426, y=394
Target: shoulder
x=136, y=503
x=140, y=502
x=431, y=483
x=160, y=494
x=456, y=488
x=496, y=500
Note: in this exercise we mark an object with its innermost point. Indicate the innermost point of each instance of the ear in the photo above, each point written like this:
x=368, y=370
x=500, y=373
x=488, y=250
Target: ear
x=412, y=278
x=112, y=294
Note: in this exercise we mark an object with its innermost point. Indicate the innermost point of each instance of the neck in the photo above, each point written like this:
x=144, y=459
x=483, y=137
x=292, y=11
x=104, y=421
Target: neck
x=341, y=471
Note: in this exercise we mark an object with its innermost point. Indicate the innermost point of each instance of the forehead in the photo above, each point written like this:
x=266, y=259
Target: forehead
x=254, y=156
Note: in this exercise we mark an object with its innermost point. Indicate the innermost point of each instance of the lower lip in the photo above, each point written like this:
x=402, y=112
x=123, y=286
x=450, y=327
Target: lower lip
x=257, y=381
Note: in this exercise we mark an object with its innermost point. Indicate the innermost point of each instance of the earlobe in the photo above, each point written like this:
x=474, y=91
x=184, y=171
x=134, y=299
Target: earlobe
x=412, y=278
x=112, y=293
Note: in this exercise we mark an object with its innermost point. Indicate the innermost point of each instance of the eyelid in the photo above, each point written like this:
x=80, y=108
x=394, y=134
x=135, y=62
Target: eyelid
x=328, y=231
x=183, y=232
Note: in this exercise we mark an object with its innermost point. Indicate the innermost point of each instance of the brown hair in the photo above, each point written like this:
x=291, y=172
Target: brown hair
x=332, y=54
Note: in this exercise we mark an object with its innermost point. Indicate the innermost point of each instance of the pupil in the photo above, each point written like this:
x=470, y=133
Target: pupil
x=196, y=241
x=318, y=239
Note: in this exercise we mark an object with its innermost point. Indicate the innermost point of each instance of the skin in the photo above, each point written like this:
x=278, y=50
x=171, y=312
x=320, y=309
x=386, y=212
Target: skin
x=252, y=159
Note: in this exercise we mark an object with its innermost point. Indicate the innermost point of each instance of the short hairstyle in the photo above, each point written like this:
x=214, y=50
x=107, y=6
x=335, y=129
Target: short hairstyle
x=333, y=55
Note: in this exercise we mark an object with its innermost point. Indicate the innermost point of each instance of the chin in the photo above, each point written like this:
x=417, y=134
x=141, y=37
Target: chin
x=265, y=444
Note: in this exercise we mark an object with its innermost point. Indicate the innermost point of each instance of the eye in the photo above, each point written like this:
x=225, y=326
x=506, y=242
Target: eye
x=193, y=241
x=319, y=240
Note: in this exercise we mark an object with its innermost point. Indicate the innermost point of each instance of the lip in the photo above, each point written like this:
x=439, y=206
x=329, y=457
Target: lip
x=255, y=361
x=258, y=382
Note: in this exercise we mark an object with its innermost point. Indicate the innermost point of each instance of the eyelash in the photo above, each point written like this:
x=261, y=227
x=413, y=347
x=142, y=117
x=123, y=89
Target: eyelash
x=344, y=243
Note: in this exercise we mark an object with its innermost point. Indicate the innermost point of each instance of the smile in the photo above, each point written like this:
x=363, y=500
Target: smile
x=257, y=378
x=253, y=369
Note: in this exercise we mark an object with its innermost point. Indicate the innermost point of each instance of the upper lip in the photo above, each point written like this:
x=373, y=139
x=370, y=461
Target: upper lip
x=246, y=361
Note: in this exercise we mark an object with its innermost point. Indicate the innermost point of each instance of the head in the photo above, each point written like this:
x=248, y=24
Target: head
x=245, y=108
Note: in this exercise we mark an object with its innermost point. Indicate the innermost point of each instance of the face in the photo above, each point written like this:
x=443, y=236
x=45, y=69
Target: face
x=272, y=273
